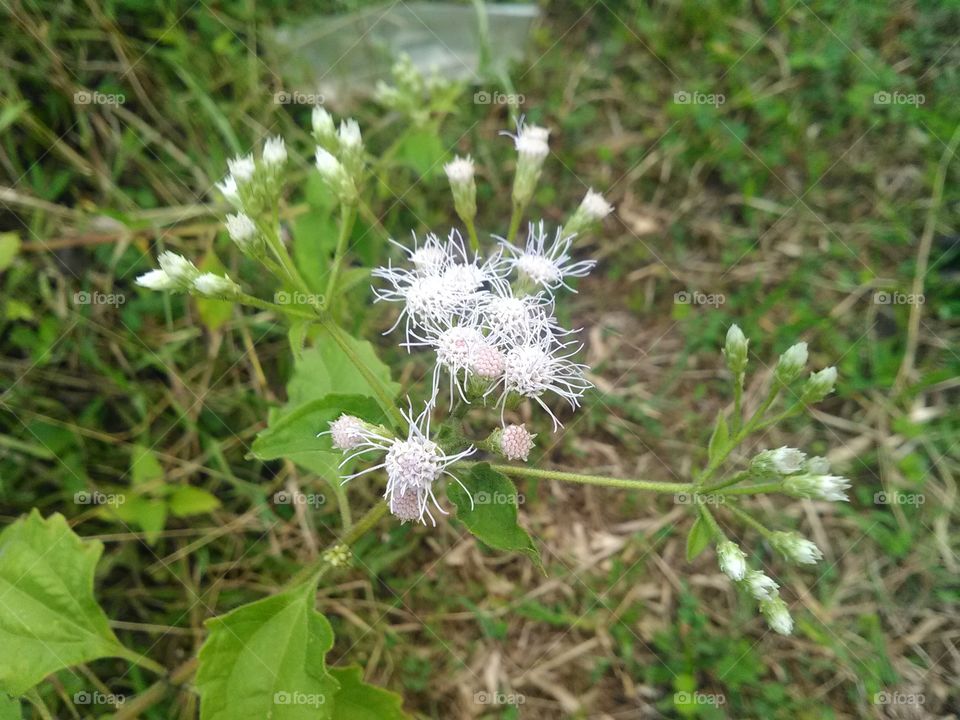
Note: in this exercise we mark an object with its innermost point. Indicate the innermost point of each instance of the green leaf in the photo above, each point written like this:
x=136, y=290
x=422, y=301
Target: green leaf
x=423, y=151
x=187, y=500
x=10, y=708
x=719, y=439
x=145, y=468
x=148, y=514
x=9, y=247
x=698, y=538
x=49, y=619
x=493, y=515
x=268, y=660
x=213, y=313
x=358, y=700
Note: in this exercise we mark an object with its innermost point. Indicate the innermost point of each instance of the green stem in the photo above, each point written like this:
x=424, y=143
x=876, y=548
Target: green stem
x=266, y=305
x=141, y=660
x=383, y=396
x=733, y=480
x=515, y=219
x=737, y=403
x=711, y=522
x=283, y=257
x=630, y=484
x=472, y=232
x=748, y=519
x=39, y=705
x=755, y=489
x=348, y=214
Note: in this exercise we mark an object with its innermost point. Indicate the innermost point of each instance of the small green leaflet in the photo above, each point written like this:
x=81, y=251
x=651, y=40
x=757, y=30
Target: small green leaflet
x=719, y=439
x=698, y=538
x=267, y=659
x=358, y=700
x=49, y=619
x=493, y=516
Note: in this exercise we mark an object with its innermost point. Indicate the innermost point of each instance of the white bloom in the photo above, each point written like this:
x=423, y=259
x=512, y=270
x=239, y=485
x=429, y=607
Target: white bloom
x=732, y=561
x=548, y=267
x=531, y=141
x=455, y=341
x=181, y=271
x=509, y=318
x=348, y=432
x=515, y=442
x=242, y=229
x=274, y=151
x=782, y=461
x=242, y=168
x=761, y=586
x=594, y=206
x=796, y=548
x=228, y=188
x=322, y=123
x=349, y=135
x=822, y=487
x=792, y=362
x=459, y=170
x=211, y=285
x=536, y=366
x=157, y=280
x=777, y=615
x=413, y=466
x=329, y=167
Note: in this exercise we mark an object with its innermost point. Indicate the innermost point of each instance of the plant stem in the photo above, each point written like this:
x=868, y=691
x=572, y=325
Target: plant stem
x=472, y=232
x=515, y=222
x=383, y=396
x=711, y=522
x=266, y=305
x=141, y=660
x=348, y=214
x=283, y=257
x=755, y=489
x=630, y=484
x=733, y=480
x=737, y=403
x=748, y=519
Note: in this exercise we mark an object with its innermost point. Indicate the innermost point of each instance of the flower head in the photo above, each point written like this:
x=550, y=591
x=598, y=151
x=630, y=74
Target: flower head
x=792, y=362
x=796, y=548
x=181, y=271
x=761, y=586
x=228, y=188
x=274, y=152
x=218, y=286
x=242, y=230
x=546, y=266
x=782, y=461
x=349, y=134
x=516, y=442
x=820, y=384
x=348, y=432
x=459, y=170
x=242, y=168
x=322, y=123
x=821, y=487
x=735, y=349
x=732, y=561
x=777, y=615
x=157, y=280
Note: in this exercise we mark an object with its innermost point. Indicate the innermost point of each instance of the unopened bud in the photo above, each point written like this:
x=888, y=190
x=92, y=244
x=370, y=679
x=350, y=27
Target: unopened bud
x=460, y=173
x=731, y=559
x=735, y=350
x=782, y=461
x=796, y=548
x=513, y=441
x=182, y=272
x=761, y=586
x=274, y=152
x=777, y=615
x=820, y=487
x=216, y=286
x=157, y=280
x=592, y=209
x=792, y=363
x=819, y=384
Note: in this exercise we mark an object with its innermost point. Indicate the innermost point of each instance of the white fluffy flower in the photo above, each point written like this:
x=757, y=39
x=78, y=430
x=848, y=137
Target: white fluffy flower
x=349, y=135
x=539, y=365
x=460, y=170
x=242, y=229
x=181, y=271
x=455, y=342
x=157, y=280
x=274, y=151
x=348, y=432
x=732, y=561
x=546, y=266
x=761, y=586
x=515, y=442
x=595, y=206
x=413, y=465
x=777, y=615
x=510, y=318
x=322, y=123
x=212, y=285
x=531, y=141
x=782, y=461
x=242, y=168
x=822, y=487
x=796, y=548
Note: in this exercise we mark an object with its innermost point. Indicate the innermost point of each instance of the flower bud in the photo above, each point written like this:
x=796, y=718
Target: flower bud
x=336, y=176
x=182, y=272
x=242, y=168
x=782, y=461
x=347, y=431
x=324, y=131
x=243, y=231
x=792, y=363
x=228, y=188
x=777, y=615
x=796, y=548
x=819, y=384
x=761, y=586
x=817, y=466
x=350, y=143
x=460, y=174
x=215, y=286
x=513, y=441
x=532, y=150
x=274, y=152
x=592, y=209
x=735, y=350
x=820, y=487
x=157, y=280
x=731, y=559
